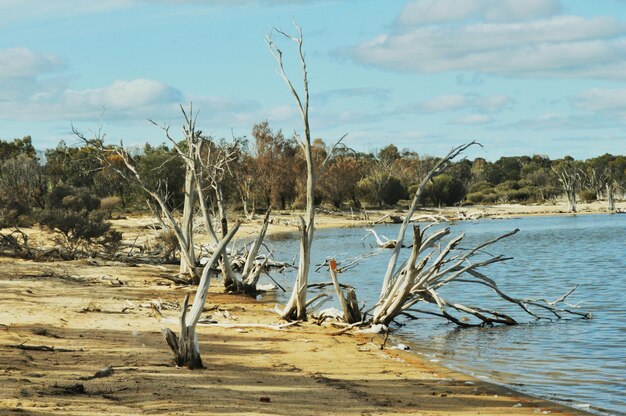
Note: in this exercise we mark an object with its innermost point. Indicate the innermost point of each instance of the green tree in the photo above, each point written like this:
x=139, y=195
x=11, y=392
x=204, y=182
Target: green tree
x=163, y=170
x=444, y=190
x=72, y=166
x=18, y=147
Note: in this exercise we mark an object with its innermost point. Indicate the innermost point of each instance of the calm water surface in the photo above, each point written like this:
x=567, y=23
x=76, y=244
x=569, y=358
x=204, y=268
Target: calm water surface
x=581, y=363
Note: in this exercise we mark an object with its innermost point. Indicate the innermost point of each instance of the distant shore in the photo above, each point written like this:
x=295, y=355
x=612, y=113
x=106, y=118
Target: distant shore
x=287, y=221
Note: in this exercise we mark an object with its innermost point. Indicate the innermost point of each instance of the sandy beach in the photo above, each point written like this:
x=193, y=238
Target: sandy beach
x=62, y=322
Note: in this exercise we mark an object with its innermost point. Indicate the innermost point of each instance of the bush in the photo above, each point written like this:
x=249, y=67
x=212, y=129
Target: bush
x=73, y=213
x=76, y=228
x=393, y=191
x=518, y=195
x=167, y=245
x=443, y=190
x=481, y=198
x=75, y=199
x=14, y=212
x=481, y=186
x=588, y=196
x=109, y=203
x=507, y=186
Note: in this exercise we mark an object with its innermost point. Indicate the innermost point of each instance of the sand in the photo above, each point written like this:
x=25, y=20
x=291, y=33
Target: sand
x=94, y=314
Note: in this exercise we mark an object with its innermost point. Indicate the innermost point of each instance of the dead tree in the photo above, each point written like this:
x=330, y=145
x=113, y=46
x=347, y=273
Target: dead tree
x=436, y=170
x=130, y=173
x=208, y=165
x=611, y=189
x=383, y=242
x=569, y=175
x=252, y=268
x=215, y=165
x=421, y=276
x=296, y=306
x=185, y=345
x=349, y=303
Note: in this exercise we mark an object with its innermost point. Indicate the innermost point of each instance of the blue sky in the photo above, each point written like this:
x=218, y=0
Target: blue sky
x=520, y=76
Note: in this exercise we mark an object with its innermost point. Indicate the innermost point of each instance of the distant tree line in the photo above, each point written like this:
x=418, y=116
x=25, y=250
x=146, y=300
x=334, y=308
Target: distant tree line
x=269, y=170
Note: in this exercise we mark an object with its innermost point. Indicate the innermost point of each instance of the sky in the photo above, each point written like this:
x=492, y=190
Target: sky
x=520, y=76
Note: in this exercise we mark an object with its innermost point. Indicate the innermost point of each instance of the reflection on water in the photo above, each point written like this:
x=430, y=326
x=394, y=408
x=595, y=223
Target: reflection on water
x=574, y=361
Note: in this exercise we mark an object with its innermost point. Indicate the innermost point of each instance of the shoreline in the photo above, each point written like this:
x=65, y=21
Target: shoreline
x=100, y=312
x=304, y=370
x=511, y=391
x=286, y=221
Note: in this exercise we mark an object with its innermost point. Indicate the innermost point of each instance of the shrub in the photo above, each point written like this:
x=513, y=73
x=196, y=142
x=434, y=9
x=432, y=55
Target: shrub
x=481, y=186
x=443, y=190
x=518, y=195
x=73, y=214
x=76, y=228
x=14, y=212
x=588, y=196
x=508, y=186
x=75, y=199
x=167, y=245
x=481, y=198
x=109, y=203
x=393, y=191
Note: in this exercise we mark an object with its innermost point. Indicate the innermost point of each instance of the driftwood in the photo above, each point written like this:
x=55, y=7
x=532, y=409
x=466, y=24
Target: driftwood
x=185, y=345
x=273, y=327
x=349, y=303
x=44, y=348
x=252, y=269
x=104, y=372
x=423, y=274
x=383, y=242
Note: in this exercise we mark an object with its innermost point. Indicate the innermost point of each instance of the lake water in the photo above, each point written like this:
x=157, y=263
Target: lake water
x=581, y=363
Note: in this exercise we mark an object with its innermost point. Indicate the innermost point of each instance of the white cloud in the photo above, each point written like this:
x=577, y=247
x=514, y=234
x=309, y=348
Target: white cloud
x=454, y=102
x=601, y=99
x=124, y=95
x=557, y=121
x=37, y=10
x=24, y=63
x=437, y=11
x=443, y=103
x=473, y=120
x=553, y=47
x=493, y=103
x=34, y=87
x=374, y=93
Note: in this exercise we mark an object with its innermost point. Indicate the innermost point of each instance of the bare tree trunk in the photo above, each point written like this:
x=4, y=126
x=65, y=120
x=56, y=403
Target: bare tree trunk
x=437, y=169
x=349, y=303
x=187, y=219
x=231, y=283
x=296, y=307
x=252, y=270
x=569, y=175
x=610, y=196
x=571, y=199
x=185, y=346
x=131, y=174
x=420, y=278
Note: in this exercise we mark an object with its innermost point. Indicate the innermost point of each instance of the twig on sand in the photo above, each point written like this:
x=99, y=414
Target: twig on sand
x=45, y=348
x=104, y=372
